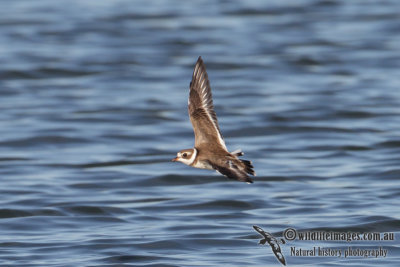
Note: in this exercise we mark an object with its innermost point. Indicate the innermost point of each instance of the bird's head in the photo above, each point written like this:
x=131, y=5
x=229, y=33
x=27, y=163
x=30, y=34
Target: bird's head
x=186, y=156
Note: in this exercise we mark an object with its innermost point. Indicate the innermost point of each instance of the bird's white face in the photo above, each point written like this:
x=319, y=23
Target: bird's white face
x=186, y=156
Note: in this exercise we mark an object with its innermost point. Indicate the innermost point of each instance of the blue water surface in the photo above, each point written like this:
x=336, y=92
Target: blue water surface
x=93, y=106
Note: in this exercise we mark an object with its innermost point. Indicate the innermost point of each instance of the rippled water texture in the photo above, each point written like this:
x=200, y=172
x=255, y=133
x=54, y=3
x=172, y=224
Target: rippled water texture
x=93, y=106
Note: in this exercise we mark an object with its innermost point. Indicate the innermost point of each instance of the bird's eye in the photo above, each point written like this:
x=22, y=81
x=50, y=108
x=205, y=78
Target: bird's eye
x=184, y=155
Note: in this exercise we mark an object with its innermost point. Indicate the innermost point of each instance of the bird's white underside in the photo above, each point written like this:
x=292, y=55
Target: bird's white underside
x=203, y=165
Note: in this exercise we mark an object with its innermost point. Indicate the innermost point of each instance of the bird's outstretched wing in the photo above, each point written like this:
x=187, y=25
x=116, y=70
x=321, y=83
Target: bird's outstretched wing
x=201, y=109
x=273, y=242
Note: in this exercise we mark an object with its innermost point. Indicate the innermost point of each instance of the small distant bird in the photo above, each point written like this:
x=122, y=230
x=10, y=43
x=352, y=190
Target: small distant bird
x=273, y=242
x=209, y=150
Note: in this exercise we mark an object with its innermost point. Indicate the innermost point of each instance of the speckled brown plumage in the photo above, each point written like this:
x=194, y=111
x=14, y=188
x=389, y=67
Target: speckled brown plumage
x=210, y=151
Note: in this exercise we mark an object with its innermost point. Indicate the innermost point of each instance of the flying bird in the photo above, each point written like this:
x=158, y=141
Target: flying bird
x=209, y=150
x=273, y=242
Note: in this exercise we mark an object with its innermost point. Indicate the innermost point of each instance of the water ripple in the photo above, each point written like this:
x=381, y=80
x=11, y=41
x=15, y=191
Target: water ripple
x=93, y=107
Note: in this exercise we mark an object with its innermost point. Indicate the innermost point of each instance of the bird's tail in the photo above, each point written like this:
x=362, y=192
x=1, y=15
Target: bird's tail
x=248, y=164
x=249, y=167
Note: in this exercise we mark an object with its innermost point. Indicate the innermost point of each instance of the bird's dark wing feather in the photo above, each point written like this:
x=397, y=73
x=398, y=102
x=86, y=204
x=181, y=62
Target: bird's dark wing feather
x=201, y=109
x=230, y=169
